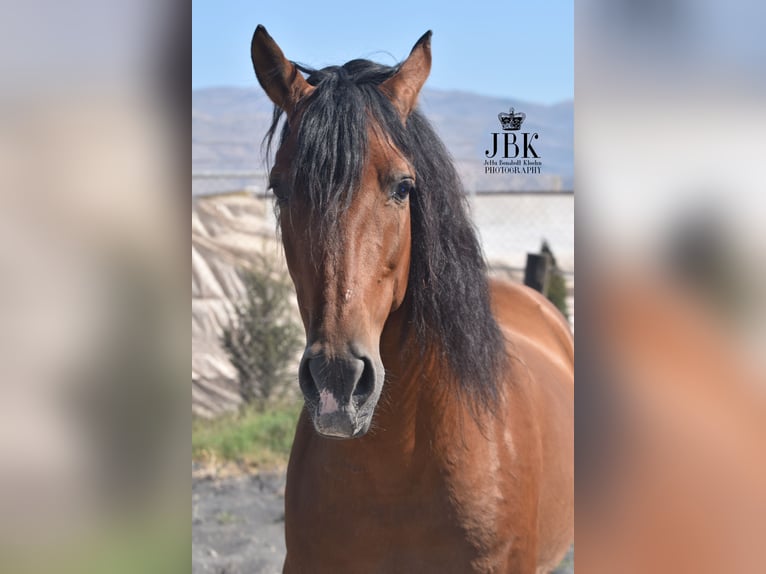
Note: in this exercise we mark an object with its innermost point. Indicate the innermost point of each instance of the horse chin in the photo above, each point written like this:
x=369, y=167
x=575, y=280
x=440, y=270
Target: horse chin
x=337, y=436
x=341, y=425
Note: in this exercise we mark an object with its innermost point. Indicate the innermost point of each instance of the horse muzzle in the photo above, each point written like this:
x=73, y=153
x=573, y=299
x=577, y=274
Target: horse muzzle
x=340, y=392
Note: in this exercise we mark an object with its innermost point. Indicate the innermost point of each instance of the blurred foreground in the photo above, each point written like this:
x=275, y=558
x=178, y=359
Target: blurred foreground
x=671, y=393
x=94, y=400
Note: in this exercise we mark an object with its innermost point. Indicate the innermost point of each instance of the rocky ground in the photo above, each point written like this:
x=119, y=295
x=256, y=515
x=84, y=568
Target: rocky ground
x=238, y=525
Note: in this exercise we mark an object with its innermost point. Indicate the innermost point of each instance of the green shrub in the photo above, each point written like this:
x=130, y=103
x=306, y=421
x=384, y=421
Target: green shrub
x=557, y=291
x=263, y=338
x=557, y=286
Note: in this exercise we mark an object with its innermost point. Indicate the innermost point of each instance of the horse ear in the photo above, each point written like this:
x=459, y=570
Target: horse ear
x=403, y=87
x=278, y=76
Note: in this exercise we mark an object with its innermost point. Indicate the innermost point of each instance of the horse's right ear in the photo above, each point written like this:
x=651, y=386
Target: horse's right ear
x=278, y=76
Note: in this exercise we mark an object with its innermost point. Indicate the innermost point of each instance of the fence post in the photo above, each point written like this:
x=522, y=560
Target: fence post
x=536, y=272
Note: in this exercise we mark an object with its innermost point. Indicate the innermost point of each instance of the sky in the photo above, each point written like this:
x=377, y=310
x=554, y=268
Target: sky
x=508, y=49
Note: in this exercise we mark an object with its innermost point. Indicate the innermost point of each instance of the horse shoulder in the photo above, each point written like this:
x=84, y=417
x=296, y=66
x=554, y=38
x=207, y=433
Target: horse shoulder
x=541, y=345
x=524, y=314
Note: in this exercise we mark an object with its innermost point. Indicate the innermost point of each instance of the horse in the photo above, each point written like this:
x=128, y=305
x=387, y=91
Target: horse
x=437, y=433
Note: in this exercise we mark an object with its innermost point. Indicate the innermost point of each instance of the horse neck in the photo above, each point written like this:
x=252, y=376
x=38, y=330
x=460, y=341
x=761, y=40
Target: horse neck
x=413, y=397
x=415, y=421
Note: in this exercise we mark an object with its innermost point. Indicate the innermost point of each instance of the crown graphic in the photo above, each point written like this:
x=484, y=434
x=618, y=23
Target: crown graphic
x=511, y=121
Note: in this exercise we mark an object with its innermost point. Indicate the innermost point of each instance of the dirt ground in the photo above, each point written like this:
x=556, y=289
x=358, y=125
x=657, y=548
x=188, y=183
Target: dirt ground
x=238, y=525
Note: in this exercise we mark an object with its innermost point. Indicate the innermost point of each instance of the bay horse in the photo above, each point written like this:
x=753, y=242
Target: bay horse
x=437, y=433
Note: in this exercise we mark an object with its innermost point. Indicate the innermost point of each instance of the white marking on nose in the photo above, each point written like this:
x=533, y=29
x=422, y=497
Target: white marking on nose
x=327, y=402
x=347, y=294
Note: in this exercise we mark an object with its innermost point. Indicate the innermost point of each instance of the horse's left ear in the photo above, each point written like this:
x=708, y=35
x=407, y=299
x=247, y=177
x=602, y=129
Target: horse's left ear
x=403, y=87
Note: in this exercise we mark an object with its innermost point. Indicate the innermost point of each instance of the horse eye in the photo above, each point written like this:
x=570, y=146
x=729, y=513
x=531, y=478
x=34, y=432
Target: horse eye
x=276, y=188
x=403, y=189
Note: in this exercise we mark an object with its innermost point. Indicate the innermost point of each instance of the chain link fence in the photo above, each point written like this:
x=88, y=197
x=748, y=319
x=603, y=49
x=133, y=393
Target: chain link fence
x=512, y=224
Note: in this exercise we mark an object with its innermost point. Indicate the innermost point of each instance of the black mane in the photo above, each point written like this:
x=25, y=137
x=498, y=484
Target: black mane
x=448, y=288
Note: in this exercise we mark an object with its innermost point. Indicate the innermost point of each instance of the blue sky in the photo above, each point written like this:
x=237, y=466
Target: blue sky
x=511, y=48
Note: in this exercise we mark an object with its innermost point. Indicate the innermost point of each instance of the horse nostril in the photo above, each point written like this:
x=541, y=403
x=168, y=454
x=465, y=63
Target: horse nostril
x=349, y=380
x=366, y=384
x=306, y=380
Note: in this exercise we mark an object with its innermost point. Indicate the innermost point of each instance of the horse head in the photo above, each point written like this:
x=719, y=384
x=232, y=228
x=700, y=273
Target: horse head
x=343, y=184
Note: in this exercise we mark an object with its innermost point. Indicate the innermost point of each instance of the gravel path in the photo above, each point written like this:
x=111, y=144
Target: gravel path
x=238, y=526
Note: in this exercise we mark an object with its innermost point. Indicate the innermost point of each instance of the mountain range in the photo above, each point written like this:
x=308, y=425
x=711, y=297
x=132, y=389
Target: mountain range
x=228, y=125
